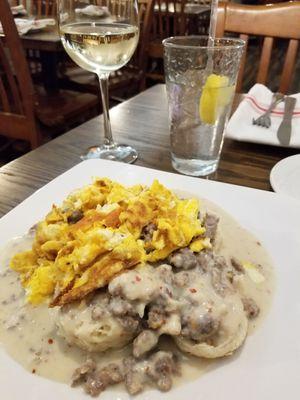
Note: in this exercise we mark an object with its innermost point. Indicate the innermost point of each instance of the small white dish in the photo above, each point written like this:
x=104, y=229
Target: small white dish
x=285, y=176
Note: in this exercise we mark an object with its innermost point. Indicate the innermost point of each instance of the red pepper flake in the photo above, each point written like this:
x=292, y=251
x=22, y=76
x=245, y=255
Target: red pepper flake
x=33, y=371
x=192, y=290
x=137, y=278
x=50, y=341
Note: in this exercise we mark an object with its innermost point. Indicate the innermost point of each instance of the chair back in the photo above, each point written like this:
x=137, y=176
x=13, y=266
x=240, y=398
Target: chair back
x=145, y=18
x=270, y=22
x=41, y=8
x=145, y=11
x=170, y=18
x=14, y=3
x=17, y=118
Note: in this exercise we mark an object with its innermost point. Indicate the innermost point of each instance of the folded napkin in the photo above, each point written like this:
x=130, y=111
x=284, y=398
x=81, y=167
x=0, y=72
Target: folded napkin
x=25, y=25
x=93, y=11
x=18, y=10
x=42, y=23
x=255, y=103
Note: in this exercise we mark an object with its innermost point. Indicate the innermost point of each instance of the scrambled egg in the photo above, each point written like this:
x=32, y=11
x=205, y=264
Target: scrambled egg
x=98, y=232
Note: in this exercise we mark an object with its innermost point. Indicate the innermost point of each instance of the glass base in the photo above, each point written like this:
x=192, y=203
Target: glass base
x=194, y=167
x=117, y=152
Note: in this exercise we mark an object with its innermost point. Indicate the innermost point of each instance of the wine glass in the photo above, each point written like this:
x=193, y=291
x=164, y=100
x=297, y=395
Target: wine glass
x=101, y=36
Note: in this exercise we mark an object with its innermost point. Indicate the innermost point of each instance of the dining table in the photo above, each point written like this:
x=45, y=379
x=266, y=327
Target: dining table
x=142, y=122
x=44, y=46
x=48, y=44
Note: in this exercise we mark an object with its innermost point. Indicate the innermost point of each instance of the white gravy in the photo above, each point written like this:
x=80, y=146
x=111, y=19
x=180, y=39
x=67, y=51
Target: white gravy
x=29, y=334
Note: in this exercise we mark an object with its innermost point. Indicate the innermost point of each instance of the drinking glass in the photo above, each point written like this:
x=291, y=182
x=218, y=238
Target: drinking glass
x=200, y=79
x=101, y=36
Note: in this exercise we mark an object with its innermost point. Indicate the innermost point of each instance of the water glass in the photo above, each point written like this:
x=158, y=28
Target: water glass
x=200, y=80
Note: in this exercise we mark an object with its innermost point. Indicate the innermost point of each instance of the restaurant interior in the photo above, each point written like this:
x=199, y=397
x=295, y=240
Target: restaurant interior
x=149, y=199
x=46, y=94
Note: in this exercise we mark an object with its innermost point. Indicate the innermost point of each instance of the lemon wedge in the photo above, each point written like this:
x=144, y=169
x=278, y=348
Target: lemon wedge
x=216, y=94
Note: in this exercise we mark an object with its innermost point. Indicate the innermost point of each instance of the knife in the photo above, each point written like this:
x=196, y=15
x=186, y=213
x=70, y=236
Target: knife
x=285, y=128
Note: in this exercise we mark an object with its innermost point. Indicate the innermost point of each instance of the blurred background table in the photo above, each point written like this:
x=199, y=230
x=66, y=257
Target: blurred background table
x=142, y=122
x=50, y=49
x=46, y=45
x=43, y=40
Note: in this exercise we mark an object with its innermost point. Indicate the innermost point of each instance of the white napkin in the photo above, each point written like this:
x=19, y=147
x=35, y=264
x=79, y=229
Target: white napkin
x=18, y=10
x=255, y=103
x=25, y=25
x=42, y=23
x=93, y=11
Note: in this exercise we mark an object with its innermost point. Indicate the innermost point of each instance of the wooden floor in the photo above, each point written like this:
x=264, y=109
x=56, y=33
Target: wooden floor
x=9, y=151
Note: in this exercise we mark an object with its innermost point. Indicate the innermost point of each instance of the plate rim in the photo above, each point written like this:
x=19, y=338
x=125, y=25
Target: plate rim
x=277, y=187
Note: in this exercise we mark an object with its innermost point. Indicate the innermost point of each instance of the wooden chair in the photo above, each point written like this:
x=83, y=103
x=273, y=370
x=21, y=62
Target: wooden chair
x=171, y=18
x=132, y=75
x=16, y=2
x=127, y=80
x=43, y=8
x=272, y=21
x=23, y=113
x=39, y=8
x=17, y=96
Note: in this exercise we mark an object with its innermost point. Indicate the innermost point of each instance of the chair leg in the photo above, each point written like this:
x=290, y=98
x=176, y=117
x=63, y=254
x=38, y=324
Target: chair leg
x=142, y=85
x=35, y=137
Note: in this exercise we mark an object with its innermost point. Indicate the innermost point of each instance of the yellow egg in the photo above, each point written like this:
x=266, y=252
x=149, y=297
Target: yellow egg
x=71, y=258
x=41, y=284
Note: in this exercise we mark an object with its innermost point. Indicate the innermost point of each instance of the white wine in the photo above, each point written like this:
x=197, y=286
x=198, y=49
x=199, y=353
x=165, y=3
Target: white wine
x=100, y=47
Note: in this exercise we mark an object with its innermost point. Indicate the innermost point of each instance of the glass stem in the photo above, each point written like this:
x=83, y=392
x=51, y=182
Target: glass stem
x=108, y=139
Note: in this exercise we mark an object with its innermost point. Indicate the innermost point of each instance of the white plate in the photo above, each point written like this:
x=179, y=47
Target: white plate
x=285, y=176
x=267, y=367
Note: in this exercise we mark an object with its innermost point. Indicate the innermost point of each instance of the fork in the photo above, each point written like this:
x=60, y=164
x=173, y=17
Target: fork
x=265, y=120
